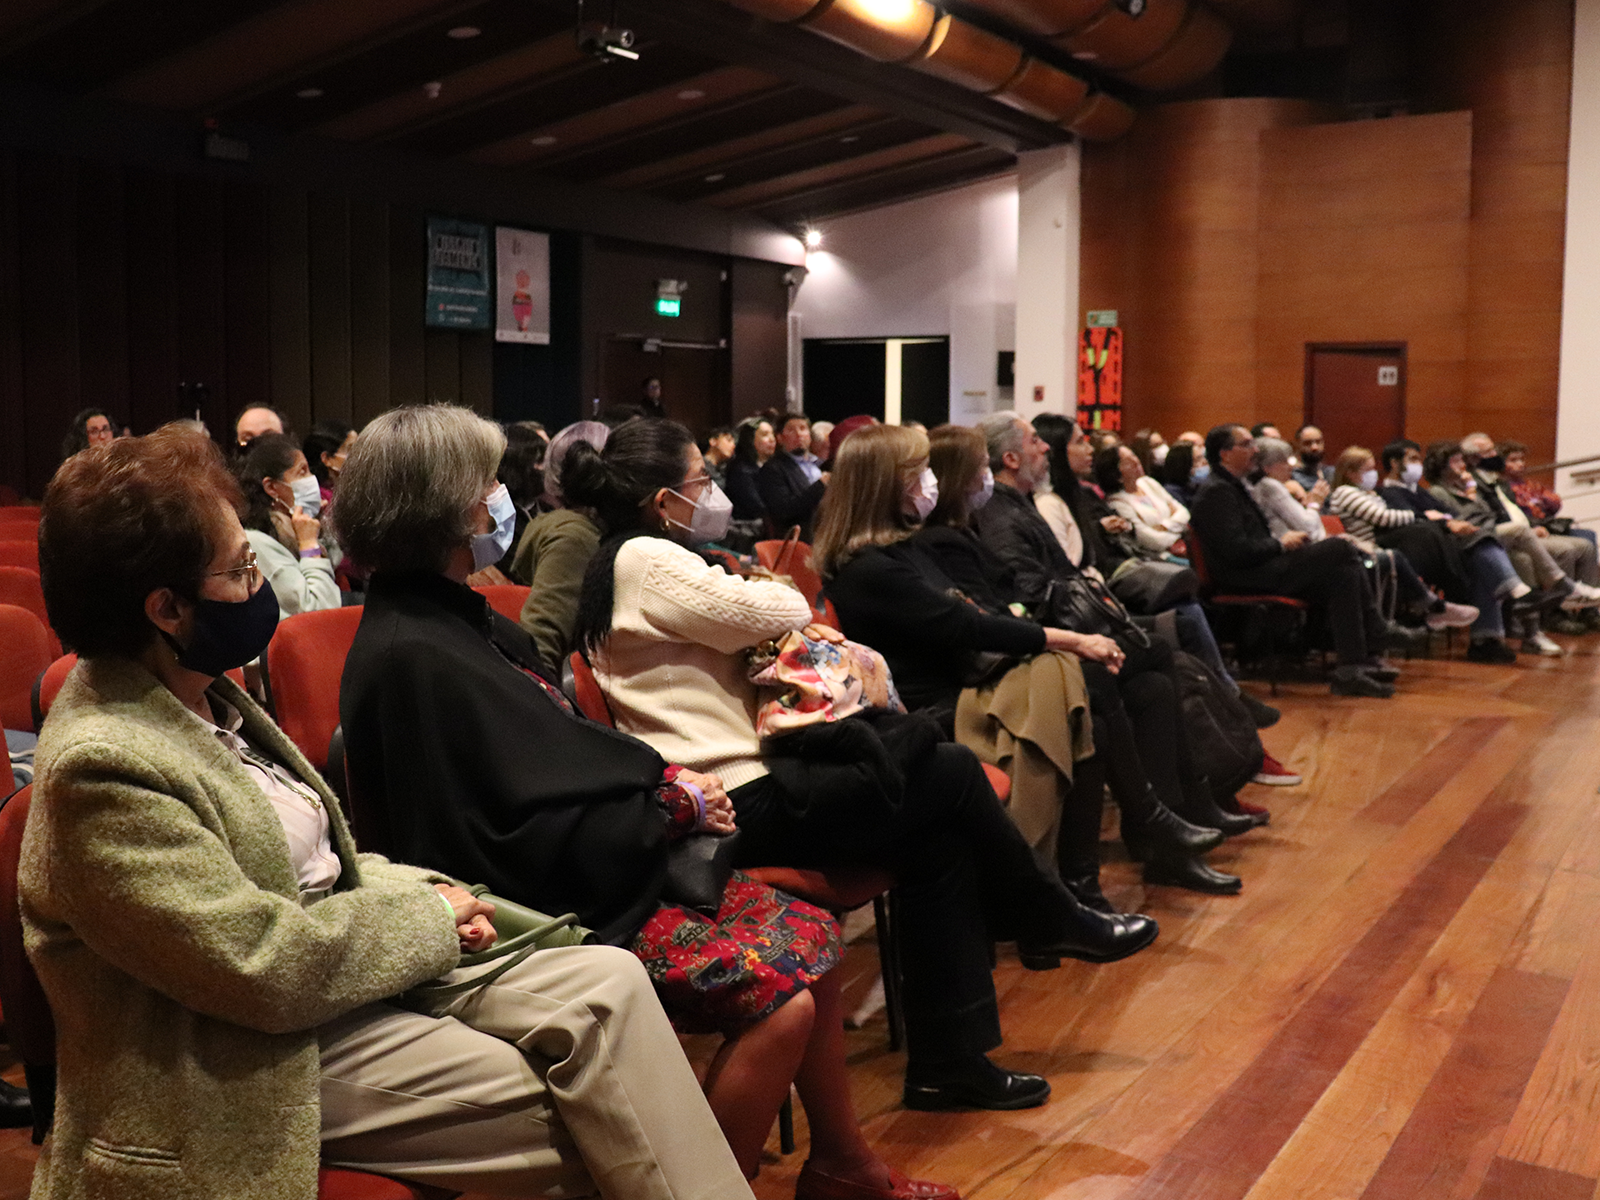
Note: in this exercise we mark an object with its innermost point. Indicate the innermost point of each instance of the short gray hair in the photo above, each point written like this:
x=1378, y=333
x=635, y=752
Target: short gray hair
x=408, y=492
x=1272, y=451
x=1000, y=431
x=1482, y=443
x=593, y=432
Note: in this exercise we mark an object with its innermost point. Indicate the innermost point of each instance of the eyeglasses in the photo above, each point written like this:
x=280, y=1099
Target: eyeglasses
x=246, y=570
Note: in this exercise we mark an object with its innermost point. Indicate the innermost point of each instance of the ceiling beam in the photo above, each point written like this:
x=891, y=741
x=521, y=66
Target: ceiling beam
x=709, y=159
x=280, y=44
x=626, y=116
x=474, y=86
x=752, y=195
x=892, y=186
x=713, y=27
x=25, y=21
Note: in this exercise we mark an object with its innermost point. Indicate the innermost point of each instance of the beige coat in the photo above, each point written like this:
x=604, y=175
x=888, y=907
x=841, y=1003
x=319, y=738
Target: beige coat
x=187, y=982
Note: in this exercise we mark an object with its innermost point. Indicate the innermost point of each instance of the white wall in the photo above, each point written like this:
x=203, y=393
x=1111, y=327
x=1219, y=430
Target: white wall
x=1048, y=239
x=941, y=265
x=1578, y=417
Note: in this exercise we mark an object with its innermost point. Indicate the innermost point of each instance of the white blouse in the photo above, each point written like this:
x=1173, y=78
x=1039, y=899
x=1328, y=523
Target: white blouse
x=1158, y=520
x=1062, y=523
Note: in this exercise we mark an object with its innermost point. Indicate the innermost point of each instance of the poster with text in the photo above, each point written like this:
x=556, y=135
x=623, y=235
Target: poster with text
x=458, y=274
x=522, y=300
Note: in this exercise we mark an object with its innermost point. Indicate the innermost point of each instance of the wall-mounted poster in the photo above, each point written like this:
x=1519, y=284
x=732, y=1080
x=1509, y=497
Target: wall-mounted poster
x=522, y=300
x=1100, y=379
x=458, y=274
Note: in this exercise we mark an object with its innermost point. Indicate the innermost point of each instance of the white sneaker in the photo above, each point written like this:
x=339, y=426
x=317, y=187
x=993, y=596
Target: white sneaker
x=1582, y=596
x=1454, y=616
x=1541, y=645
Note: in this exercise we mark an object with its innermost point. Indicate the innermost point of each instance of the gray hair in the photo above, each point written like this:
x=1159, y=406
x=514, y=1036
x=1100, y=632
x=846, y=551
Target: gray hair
x=409, y=489
x=1477, y=443
x=1000, y=431
x=593, y=432
x=1271, y=451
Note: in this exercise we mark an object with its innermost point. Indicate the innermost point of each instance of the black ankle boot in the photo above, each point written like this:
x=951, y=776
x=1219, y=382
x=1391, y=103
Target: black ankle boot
x=1083, y=881
x=1089, y=936
x=1200, y=807
x=1162, y=833
x=1192, y=874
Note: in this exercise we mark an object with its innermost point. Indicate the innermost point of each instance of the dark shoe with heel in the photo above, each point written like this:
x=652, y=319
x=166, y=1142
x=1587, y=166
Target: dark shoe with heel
x=1094, y=937
x=975, y=1084
x=1192, y=875
x=1164, y=834
x=816, y=1185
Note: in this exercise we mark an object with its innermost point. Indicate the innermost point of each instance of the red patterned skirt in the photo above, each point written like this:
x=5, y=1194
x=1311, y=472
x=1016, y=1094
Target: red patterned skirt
x=722, y=974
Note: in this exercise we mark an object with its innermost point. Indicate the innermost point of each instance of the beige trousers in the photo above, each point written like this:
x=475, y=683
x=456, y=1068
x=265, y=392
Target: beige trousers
x=562, y=1078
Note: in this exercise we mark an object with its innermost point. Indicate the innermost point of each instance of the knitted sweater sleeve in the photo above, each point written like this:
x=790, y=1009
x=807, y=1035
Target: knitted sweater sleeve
x=1359, y=508
x=682, y=598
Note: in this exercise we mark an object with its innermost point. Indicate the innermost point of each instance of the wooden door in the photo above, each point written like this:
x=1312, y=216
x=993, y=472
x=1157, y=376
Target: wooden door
x=1356, y=394
x=693, y=380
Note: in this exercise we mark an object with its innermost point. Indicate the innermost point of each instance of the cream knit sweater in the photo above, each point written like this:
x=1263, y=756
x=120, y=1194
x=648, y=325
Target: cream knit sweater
x=673, y=671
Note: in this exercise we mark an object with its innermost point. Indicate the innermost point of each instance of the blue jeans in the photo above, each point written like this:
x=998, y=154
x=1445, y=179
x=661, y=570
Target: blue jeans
x=1492, y=575
x=1196, y=638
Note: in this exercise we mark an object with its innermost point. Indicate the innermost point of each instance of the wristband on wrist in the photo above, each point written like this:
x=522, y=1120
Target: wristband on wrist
x=311, y=552
x=699, y=801
x=450, y=907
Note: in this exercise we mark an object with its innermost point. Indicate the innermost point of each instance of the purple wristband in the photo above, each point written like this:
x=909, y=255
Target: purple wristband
x=699, y=801
x=312, y=552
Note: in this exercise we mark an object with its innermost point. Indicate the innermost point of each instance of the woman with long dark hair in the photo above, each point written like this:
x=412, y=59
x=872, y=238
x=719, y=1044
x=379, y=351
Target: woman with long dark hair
x=668, y=633
x=91, y=427
x=282, y=506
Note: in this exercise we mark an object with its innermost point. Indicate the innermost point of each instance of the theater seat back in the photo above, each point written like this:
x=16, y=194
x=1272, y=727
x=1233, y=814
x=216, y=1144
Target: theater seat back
x=505, y=598
x=20, y=586
x=305, y=662
x=25, y=652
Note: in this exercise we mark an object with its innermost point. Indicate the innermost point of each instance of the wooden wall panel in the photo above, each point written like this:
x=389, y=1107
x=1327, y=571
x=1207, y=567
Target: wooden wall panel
x=248, y=289
x=102, y=284
x=407, y=298
x=48, y=267
x=760, y=336
x=370, y=315
x=328, y=281
x=290, y=321
x=14, y=415
x=152, y=251
x=200, y=296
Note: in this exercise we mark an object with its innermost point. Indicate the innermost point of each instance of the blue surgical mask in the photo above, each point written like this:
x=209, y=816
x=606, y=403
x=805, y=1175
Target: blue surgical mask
x=1369, y=479
x=307, y=494
x=925, y=495
x=489, y=548
x=1412, y=474
x=1200, y=475
x=985, y=490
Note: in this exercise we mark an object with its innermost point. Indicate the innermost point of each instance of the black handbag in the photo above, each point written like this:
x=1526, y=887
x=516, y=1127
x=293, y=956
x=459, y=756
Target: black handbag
x=1083, y=604
x=1151, y=586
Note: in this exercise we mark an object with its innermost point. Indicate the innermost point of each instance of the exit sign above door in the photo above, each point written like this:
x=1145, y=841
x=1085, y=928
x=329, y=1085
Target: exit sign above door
x=1388, y=376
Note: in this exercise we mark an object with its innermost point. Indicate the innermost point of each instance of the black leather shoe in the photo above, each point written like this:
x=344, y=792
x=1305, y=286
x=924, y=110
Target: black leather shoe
x=1405, y=639
x=1349, y=681
x=1163, y=833
x=1094, y=937
x=1192, y=874
x=1083, y=881
x=978, y=1084
x=1379, y=670
x=16, y=1108
x=1490, y=650
x=1262, y=713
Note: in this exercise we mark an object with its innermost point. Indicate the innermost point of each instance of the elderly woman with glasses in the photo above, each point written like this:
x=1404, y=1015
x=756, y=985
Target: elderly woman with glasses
x=224, y=967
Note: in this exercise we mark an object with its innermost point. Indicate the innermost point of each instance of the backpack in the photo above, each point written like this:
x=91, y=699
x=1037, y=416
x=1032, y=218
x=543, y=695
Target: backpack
x=1222, y=734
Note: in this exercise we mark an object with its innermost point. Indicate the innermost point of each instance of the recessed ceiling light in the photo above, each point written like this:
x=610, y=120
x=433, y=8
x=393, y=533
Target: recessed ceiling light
x=717, y=178
x=462, y=32
x=691, y=94
x=544, y=139
x=309, y=93
x=813, y=238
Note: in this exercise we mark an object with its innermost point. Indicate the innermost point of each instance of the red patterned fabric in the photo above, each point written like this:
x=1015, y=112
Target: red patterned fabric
x=723, y=974
x=1533, y=498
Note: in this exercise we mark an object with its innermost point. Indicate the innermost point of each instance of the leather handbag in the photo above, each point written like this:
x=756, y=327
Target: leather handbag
x=1083, y=604
x=1149, y=586
x=520, y=932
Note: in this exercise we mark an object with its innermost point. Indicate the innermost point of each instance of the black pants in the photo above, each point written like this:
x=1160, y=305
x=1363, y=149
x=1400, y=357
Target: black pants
x=965, y=877
x=1328, y=574
x=1436, y=554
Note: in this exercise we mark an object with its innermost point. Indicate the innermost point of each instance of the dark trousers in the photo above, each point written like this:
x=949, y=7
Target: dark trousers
x=1328, y=574
x=965, y=877
x=1435, y=552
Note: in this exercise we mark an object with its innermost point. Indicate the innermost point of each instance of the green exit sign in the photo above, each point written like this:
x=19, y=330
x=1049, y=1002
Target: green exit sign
x=1101, y=318
x=668, y=306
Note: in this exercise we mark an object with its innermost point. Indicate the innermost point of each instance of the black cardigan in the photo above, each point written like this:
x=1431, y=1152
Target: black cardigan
x=897, y=600
x=790, y=498
x=471, y=768
x=1231, y=526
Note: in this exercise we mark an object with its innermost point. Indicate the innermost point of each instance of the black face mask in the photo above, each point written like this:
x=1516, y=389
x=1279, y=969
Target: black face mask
x=1492, y=462
x=228, y=633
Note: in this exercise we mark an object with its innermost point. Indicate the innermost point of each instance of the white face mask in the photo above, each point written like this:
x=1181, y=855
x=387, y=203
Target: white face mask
x=924, y=493
x=1412, y=474
x=984, y=491
x=712, y=513
x=1158, y=454
x=489, y=548
x=1369, y=478
x=307, y=494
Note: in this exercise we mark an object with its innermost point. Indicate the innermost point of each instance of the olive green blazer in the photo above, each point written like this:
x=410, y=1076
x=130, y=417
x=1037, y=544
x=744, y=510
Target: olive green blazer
x=161, y=912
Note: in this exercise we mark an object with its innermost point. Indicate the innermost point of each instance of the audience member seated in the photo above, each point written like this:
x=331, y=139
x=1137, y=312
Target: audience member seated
x=1311, y=452
x=791, y=482
x=1093, y=538
x=91, y=427
x=1151, y=448
x=720, y=444
x=230, y=979
x=1265, y=429
x=1181, y=475
x=326, y=447
x=754, y=448
x=282, y=502
x=820, y=449
x=1355, y=501
x=1575, y=555
x=483, y=769
x=935, y=602
x=1453, y=490
x=554, y=552
x=1242, y=556
x=1542, y=505
x=668, y=634
x=1270, y=487
x=1158, y=521
x=253, y=421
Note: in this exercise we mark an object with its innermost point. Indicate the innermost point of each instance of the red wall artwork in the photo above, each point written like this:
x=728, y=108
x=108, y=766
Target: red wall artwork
x=1100, y=379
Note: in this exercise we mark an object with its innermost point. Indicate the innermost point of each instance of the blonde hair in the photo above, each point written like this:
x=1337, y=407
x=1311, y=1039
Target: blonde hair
x=864, y=504
x=1348, y=468
x=958, y=455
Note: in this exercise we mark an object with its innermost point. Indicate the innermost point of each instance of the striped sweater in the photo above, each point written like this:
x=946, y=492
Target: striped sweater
x=1364, y=512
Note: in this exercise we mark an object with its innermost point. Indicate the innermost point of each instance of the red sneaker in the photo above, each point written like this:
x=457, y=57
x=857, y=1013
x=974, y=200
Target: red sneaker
x=1274, y=774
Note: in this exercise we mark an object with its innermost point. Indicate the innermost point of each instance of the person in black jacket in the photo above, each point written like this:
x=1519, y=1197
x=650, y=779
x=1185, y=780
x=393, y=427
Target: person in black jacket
x=1242, y=555
x=791, y=483
x=753, y=447
x=471, y=761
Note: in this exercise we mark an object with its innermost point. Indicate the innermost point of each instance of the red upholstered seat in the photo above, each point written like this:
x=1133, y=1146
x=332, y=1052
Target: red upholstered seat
x=20, y=586
x=1331, y=525
x=591, y=701
x=1288, y=608
x=334, y=1183
x=18, y=553
x=48, y=684
x=24, y=653
x=304, y=663
x=19, y=514
x=792, y=557
x=505, y=598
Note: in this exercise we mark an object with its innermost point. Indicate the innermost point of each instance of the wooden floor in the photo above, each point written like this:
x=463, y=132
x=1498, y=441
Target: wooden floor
x=1403, y=1004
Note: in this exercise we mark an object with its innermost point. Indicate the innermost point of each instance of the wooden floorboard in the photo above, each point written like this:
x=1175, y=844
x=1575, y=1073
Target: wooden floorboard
x=1404, y=1002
